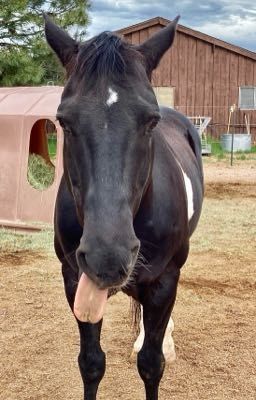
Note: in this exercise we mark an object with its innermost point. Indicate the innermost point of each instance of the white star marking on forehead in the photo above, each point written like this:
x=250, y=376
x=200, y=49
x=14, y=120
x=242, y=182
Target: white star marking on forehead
x=113, y=97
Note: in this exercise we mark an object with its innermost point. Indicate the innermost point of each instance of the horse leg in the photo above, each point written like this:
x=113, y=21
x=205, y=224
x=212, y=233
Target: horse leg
x=91, y=358
x=168, y=342
x=158, y=301
x=140, y=339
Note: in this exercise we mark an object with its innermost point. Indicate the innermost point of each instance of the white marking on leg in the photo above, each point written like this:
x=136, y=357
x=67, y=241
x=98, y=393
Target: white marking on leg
x=113, y=97
x=168, y=342
x=140, y=339
x=189, y=191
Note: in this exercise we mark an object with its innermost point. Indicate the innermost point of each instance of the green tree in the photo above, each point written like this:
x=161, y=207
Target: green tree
x=25, y=58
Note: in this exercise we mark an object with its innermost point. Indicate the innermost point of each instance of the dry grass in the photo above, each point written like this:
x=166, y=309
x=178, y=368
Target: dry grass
x=12, y=242
x=226, y=225
x=40, y=173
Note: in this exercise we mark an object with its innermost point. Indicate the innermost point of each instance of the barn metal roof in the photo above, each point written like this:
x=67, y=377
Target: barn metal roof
x=41, y=100
x=191, y=32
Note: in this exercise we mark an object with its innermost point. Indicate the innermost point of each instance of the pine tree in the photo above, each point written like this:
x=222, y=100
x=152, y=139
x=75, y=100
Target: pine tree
x=25, y=58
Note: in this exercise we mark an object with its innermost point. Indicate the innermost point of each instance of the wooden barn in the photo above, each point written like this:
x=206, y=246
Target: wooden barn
x=204, y=76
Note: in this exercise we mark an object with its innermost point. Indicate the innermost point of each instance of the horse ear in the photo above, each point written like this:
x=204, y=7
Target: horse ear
x=62, y=44
x=154, y=48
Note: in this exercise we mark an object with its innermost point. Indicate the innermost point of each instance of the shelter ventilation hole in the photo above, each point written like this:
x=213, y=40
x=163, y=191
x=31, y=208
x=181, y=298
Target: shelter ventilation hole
x=42, y=154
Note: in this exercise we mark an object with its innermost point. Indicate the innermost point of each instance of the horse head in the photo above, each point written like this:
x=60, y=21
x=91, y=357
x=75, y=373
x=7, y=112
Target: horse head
x=108, y=113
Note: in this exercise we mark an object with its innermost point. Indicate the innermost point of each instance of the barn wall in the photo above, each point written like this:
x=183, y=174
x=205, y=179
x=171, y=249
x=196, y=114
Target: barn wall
x=206, y=79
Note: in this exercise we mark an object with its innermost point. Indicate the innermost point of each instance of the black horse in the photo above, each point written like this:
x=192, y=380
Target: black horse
x=131, y=194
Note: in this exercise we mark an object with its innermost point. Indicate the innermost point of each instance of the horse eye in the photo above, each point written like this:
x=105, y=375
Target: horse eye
x=65, y=128
x=67, y=131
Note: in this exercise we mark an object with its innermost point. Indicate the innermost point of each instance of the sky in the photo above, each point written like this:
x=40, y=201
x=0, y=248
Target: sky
x=233, y=21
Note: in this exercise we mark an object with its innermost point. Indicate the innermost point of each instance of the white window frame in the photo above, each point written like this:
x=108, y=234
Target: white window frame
x=241, y=107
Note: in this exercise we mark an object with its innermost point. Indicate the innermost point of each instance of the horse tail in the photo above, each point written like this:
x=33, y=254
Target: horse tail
x=135, y=311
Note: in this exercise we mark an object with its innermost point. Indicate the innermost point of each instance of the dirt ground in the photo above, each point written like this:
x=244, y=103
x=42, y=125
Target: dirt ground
x=215, y=313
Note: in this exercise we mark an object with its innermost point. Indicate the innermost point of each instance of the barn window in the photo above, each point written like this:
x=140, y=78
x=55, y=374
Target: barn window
x=247, y=98
x=42, y=153
x=165, y=95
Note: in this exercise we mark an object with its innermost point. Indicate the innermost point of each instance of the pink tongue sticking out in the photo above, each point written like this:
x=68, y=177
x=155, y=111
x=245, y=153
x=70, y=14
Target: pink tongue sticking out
x=90, y=301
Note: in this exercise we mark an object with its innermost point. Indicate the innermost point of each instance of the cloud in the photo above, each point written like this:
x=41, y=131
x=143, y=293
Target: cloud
x=233, y=21
x=238, y=30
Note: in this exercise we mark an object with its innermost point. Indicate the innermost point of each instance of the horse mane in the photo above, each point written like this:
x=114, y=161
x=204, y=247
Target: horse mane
x=105, y=55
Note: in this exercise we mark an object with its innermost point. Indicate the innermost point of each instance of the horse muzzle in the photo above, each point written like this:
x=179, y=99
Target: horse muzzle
x=100, y=271
x=107, y=268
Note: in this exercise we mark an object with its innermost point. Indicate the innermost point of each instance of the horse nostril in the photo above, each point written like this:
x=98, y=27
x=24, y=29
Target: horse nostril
x=81, y=258
x=79, y=254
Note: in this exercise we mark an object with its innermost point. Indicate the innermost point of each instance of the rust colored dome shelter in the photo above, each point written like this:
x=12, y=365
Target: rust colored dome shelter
x=27, y=115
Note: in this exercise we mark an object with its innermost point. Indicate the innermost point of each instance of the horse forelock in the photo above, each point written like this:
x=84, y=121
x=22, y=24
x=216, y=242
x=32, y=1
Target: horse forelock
x=105, y=56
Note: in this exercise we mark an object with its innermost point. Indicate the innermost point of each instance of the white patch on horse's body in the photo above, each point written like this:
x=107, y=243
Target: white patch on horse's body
x=168, y=343
x=113, y=97
x=189, y=192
